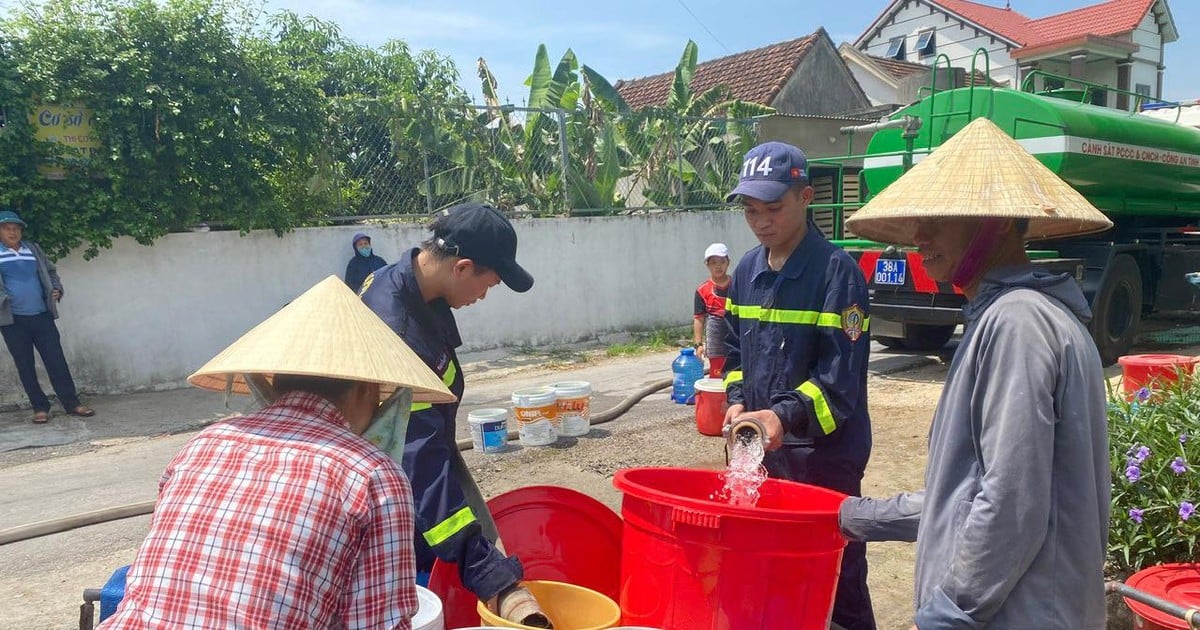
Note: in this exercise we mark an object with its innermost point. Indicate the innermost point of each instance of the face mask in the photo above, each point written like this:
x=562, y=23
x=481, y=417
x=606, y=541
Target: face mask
x=365, y=252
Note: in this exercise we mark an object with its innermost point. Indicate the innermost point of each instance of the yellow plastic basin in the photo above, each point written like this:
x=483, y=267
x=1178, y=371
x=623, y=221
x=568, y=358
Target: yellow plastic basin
x=569, y=607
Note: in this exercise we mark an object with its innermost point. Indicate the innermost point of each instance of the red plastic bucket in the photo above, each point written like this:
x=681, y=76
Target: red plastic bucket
x=1151, y=370
x=710, y=406
x=691, y=562
x=1175, y=583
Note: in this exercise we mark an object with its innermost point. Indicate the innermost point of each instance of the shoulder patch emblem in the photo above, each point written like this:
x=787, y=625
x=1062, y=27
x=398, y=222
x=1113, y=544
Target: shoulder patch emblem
x=852, y=322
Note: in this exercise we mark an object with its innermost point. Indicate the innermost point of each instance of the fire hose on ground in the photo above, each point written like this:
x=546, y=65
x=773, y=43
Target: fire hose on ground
x=106, y=515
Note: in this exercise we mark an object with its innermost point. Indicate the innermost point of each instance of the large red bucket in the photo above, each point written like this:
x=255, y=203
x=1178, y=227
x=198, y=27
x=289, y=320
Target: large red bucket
x=1176, y=583
x=1153, y=370
x=710, y=406
x=690, y=562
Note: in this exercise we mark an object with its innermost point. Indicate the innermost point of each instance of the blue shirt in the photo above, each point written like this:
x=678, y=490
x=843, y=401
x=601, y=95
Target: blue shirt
x=19, y=270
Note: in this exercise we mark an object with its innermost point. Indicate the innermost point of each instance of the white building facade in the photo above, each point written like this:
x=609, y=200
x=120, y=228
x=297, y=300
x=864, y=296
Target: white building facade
x=1117, y=45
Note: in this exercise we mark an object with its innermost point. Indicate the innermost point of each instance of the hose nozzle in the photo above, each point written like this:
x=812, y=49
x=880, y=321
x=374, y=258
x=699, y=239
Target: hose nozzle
x=745, y=429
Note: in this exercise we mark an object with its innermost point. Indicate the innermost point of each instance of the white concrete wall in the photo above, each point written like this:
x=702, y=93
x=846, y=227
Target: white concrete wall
x=953, y=39
x=1145, y=61
x=878, y=91
x=1103, y=72
x=139, y=317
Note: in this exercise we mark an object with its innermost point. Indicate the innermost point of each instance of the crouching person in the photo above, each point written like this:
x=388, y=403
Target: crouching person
x=287, y=517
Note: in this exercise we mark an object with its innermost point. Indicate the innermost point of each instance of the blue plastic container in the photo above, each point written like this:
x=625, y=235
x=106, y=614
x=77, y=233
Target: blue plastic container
x=112, y=593
x=688, y=369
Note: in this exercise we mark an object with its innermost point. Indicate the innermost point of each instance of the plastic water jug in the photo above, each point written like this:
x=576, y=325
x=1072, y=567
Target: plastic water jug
x=688, y=369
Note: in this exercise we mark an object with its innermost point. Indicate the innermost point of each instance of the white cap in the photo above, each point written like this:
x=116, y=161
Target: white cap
x=716, y=249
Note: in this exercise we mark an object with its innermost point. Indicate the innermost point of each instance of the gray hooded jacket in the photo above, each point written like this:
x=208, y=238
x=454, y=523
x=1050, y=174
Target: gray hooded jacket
x=1012, y=526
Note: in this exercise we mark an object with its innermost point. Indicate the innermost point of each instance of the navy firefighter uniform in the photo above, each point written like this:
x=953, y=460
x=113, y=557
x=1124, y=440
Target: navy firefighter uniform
x=798, y=344
x=446, y=526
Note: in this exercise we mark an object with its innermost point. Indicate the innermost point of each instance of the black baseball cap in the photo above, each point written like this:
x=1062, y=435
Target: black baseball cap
x=481, y=233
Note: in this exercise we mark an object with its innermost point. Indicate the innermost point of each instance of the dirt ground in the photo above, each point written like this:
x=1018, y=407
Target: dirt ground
x=901, y=410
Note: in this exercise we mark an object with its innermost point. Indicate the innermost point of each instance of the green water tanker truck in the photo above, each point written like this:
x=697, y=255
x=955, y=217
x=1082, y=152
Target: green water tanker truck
x=1141, y=169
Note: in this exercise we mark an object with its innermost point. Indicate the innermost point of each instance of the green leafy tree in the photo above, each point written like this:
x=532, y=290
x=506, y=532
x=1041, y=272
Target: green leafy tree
x=205, y=114
x=200, y=117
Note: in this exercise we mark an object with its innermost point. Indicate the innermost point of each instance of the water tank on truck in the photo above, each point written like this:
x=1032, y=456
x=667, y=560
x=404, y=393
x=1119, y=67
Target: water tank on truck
x=1140, y=169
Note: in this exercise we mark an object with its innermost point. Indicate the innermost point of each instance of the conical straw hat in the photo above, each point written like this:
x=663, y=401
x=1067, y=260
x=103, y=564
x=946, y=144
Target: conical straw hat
x=327, y=331
x=979, y=172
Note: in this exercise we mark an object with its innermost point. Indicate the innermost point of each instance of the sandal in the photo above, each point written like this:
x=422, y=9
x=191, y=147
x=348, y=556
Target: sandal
x=41, y=417
x=82, y=412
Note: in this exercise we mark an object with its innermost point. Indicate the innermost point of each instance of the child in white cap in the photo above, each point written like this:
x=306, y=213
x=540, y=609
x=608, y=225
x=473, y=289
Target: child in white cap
x=708, y=325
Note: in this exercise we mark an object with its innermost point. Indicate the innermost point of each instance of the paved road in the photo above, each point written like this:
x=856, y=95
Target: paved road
x=73, y=466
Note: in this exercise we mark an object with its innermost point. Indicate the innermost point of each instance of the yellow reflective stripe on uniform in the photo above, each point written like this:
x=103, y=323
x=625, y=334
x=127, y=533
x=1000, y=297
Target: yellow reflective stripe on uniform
x=447, y=380
x=367, y=282
x=449, y=527
x=733, y=378
x=786, y=316
x=820, y=406
x=829, y=320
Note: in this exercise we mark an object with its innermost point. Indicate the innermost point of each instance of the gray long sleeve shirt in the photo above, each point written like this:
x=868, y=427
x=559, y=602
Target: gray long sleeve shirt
x=1012, y=526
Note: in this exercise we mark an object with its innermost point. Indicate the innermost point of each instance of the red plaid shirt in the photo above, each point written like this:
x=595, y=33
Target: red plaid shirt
x=281, y=519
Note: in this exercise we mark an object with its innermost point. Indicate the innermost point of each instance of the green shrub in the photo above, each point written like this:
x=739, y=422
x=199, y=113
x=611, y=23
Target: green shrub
x=1154, y=441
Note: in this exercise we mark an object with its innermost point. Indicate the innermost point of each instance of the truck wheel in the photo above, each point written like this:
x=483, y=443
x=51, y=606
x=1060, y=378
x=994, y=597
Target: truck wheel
x=1117, y=309
x=925, y=337
x=895, y=343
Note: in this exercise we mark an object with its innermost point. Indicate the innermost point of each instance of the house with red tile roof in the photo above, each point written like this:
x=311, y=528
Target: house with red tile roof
x=1117, y=43
x=799, y=76
x=895, y=82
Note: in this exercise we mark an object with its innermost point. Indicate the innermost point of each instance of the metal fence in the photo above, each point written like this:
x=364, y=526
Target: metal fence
x=538, y=161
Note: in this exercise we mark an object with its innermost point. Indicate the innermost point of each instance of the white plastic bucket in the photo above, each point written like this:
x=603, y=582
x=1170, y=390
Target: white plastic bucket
x=574, y=407
x=536, y=412
x=429, y=611
x=489, y=429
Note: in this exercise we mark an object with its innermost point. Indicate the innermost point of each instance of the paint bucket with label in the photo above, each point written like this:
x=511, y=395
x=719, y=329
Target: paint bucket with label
x=489, y=429
x=536, y=411
x=574, y=407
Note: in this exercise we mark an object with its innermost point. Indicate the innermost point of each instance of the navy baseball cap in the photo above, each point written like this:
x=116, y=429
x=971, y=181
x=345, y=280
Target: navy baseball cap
x=8, y=216
x=769, y=170
x=482, y=234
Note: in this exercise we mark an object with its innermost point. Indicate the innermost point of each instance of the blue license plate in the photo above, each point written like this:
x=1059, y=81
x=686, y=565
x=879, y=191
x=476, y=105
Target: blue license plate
x=890, y=271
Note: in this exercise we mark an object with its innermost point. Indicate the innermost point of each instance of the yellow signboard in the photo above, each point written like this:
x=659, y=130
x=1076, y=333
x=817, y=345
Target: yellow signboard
x=68, y=125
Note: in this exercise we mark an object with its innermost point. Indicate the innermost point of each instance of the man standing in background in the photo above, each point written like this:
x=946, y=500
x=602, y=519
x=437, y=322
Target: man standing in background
x=362, y=263
x=29, y=294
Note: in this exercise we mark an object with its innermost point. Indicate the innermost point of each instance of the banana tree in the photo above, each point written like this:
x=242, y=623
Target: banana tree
x=568, y=150
x=689, y=152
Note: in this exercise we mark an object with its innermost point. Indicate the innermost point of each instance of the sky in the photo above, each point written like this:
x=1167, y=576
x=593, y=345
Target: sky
x=624, y=39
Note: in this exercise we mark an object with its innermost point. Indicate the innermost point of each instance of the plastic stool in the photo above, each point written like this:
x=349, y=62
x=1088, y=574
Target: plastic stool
x=112, y=593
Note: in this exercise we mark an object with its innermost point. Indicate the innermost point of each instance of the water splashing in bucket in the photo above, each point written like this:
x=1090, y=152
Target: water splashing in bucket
x=744, y=474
